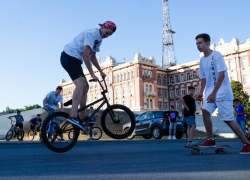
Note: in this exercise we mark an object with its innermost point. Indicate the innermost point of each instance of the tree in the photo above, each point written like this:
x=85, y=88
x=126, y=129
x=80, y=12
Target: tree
x=242, y=96
x=26, y=108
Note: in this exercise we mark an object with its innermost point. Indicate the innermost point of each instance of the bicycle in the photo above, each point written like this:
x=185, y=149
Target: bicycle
x=95, y=133
x=31, y=133
x=14, y=130
x=112, y=120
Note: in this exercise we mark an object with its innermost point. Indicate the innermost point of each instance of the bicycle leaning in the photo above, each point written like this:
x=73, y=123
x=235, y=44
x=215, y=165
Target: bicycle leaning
x=14, y=131
x=113, y=118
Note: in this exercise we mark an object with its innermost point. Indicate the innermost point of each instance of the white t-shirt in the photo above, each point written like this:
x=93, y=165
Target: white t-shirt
x=89, y=37
x=209, y=69
x=52, y=100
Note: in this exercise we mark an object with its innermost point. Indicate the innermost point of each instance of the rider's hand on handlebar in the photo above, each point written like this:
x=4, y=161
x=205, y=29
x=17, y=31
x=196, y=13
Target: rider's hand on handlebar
x=94, y=77
x=103, y=75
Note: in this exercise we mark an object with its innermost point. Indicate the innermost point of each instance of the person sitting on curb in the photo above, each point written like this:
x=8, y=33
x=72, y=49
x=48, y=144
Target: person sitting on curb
x=35, y=123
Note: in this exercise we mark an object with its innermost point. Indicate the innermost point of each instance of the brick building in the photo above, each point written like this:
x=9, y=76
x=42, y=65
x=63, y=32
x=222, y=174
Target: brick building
x=142, y=85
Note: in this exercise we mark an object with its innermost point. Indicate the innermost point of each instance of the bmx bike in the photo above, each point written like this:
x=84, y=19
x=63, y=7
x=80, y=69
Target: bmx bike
x=113, y=118
x=16, y=131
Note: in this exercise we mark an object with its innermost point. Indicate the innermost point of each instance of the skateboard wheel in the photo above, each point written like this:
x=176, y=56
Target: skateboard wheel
x=192, y=152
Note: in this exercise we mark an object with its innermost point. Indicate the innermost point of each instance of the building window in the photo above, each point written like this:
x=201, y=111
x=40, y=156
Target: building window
x=150, y=73
x=128, y=75
x=176, y=78
x=125, y=77
x=243, y=63
x=147, y=103
x=182, y=77
x=123, y=91
x=150, y=88
x=196, y=88
x=92, y=97
x=159, y=80
x=117, y=92
x=97, y=95
x=170, y=80
x=146, y=88
x=132, y=75
x=165, y=93
x=165, y=80
x=188, y=76
x=114, y=79
x=121, y=77
x=166, y=106
x=124, y=103
x=132, y=103
x=172, y=103
x=159, y=93
x=177, y=105
x=151, y=103
x=194, y=75
x=171, y=94
x=245, y=79
x=160, y=105
x=116, y=102
x=177, y=92
x=131, y=89
x=183, y=91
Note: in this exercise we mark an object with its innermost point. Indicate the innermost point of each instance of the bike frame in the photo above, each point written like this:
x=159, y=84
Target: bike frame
x=104, y=99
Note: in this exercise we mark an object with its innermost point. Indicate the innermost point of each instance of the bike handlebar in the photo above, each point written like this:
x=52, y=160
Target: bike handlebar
x=103, y=80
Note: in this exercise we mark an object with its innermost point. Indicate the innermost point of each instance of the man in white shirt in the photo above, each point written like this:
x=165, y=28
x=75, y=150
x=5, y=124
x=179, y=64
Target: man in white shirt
x=52, y=99
x=218, y=93
x=84, y=48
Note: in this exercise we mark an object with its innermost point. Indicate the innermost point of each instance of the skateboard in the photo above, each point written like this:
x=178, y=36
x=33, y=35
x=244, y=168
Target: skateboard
x=197, y=149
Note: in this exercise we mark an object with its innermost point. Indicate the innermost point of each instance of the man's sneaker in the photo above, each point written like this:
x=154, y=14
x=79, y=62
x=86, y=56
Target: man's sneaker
x=188, y=144
x=193, y=144
x=90, y=139
x=174, y=137
x=246, y=149
x=208, y=143
x=76, y=122
x=169, y=137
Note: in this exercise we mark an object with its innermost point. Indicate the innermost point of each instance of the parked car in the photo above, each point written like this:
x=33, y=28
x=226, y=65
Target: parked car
x=154, y=124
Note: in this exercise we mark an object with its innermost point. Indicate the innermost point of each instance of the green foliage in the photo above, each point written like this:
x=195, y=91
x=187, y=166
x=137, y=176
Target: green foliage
x=242, y=96
x=26, y=108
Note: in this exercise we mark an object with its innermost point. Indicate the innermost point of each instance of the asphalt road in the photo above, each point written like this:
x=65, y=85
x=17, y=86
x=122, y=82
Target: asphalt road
x=147, y=159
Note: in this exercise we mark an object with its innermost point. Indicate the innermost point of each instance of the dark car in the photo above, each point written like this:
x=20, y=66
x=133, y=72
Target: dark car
x=154, y=124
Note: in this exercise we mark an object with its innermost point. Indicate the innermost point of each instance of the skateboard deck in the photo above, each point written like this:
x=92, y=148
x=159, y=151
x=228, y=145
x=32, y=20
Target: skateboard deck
x=197, y=149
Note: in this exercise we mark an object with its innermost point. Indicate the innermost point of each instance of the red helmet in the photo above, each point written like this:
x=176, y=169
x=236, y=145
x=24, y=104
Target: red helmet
x=110, y=25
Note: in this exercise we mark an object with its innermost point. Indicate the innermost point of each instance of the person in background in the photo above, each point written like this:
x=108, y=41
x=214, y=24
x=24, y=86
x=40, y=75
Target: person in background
x=35, y=124
x=19, y=122
x=173, y=118
x=240, y=114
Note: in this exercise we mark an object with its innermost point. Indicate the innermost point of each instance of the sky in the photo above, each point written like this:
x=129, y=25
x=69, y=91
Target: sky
x=33, y=34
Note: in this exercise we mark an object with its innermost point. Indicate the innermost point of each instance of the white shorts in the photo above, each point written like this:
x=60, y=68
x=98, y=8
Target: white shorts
x=225, y=109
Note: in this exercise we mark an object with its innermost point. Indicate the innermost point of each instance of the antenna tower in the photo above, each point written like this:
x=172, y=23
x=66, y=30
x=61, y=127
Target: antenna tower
x=168, y=55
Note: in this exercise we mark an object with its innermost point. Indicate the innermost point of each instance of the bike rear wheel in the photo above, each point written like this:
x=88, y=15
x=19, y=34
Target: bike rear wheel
x=9, y=135
x=55, y=131
x=20, y=134
x=96, y=133
x=113, y=120
x=31, y=135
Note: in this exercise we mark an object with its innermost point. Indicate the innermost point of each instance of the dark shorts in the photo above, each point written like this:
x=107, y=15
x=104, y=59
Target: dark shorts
x=19, y=125
x=33, y=127
x=190, y=120
x=72, y=65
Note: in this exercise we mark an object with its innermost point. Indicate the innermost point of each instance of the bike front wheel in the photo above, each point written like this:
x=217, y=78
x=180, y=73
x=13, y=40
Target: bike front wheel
x=116, y=119
x=31, y=135
x=96, y=133
x=55, y=130
x=9, y=135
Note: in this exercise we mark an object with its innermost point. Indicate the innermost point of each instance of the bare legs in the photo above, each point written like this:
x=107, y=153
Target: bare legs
x=235, y=127
x=190, y=132
x=79, y=96
x=208, y=123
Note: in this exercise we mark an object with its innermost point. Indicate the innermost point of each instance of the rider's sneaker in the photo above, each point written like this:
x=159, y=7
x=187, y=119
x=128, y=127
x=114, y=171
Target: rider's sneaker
x=208, y=143
x=90, y=138
x=174, y=137
x=246, y=149
x=76, y=122
x=193, y=144
x=34, y=133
